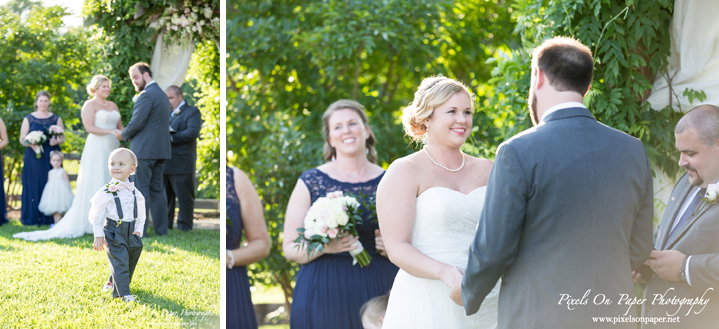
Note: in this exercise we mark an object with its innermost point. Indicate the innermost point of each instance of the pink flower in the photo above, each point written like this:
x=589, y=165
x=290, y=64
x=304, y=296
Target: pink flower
x=325, y=229
x=332, y=233
x=187, y=10
x=112, y=188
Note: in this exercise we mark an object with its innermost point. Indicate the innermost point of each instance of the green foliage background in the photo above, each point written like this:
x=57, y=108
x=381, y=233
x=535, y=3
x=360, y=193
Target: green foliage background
x=40, y=53
x=288, y=60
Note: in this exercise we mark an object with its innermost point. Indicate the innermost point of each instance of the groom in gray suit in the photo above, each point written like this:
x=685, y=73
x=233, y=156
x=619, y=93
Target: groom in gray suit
x=150, y=142
x=568, y=210
x=685, y=263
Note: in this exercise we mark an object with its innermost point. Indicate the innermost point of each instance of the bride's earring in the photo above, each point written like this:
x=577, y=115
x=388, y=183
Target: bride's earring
x=425, y=137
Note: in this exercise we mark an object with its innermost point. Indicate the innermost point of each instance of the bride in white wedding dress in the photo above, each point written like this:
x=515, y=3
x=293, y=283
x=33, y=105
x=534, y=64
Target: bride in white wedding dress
x=101, y=119
x=428, y=205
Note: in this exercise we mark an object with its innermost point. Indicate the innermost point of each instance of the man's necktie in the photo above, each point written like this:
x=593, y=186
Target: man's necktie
x=687, y=213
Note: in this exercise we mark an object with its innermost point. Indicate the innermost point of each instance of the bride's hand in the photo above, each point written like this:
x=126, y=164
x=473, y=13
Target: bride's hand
x=379, y=243
x=343, y=244
x=447, y=276
x=455, y=291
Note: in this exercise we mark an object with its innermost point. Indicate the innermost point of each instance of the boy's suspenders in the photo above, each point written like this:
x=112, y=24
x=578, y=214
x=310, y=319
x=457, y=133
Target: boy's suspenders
x=118, y=205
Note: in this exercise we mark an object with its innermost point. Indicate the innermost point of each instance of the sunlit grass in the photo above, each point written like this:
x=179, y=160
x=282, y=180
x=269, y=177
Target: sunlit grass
x=57, y=283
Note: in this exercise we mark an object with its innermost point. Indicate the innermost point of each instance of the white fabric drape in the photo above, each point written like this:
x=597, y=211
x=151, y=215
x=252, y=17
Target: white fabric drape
x=693, y=64
x=170, y=63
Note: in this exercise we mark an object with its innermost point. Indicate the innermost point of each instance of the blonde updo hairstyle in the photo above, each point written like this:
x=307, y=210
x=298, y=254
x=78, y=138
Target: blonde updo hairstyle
x=95, y=83
x=433, y=92
x=346, y=104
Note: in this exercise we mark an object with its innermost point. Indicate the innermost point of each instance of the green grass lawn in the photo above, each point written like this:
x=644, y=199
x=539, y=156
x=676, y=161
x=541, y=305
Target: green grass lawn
x=57, y=283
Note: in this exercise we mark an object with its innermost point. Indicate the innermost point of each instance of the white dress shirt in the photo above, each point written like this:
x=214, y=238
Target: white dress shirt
x=103, y=206
x=562, y=106
x=684, y=207
x=178, y=107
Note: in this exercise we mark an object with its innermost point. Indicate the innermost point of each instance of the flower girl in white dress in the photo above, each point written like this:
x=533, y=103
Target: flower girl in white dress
x=57, y=196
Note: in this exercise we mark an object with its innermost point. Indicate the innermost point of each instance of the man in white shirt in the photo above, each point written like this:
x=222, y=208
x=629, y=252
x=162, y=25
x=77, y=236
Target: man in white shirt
x=685, y=263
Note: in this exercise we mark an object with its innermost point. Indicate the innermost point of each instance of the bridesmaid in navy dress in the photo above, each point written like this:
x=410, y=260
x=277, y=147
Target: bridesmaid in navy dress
x=244, y=211
x=3, y=142
x=330, y=291
x=34, y=170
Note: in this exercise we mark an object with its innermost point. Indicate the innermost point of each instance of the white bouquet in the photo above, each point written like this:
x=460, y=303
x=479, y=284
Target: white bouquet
x=36, y=137
x=332, y=217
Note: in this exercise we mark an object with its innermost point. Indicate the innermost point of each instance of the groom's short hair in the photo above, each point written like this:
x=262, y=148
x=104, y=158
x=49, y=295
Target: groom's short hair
x=567, y=64
x=703, y=118
x=143, y=67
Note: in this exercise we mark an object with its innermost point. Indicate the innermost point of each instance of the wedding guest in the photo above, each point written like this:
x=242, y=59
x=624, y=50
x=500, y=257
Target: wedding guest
x=372, y=312
x=329, y=290
x=57, y=196
x=118, y=216
x=244, y=213
x=3, y=142
x=179, y=174
x=36, y=162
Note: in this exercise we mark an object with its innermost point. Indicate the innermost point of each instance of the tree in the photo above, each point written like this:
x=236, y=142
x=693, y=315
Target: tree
x=39, y=55
x=288, y=60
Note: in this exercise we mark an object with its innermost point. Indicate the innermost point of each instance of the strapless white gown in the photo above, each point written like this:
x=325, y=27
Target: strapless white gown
x=444, y=228
x=93, y=174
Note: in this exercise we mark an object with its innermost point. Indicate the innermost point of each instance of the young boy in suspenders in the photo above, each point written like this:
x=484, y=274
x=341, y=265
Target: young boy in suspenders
x=118, y=218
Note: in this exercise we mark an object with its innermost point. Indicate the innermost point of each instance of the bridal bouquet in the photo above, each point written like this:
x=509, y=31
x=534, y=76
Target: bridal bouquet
x=36, y=137
x=55, y=130
x=332, y=218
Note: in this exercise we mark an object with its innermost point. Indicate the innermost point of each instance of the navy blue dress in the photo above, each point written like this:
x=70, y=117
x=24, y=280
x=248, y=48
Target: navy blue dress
x=329, y=290
x=3, y=205
x=34, y=174
x=240, y=311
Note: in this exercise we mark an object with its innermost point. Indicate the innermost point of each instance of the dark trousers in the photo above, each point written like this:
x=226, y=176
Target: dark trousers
x=149, y=181
x=182, y=187
x=123, y=250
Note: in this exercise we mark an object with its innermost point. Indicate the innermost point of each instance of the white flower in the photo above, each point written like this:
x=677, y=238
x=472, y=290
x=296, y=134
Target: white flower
x=207, y=11
x=712, y=192
x=195, y=8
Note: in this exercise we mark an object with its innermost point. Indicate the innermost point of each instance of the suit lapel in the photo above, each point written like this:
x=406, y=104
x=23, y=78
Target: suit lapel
x=690, y=221
x=675, y=204
x=174, y=117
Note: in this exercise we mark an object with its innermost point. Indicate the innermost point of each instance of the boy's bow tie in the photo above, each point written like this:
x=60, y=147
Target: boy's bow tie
x=128, y=186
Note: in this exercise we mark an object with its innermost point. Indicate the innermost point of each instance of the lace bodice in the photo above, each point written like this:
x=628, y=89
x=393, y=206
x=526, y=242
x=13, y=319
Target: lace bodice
x=320, y=184
x=445, y=223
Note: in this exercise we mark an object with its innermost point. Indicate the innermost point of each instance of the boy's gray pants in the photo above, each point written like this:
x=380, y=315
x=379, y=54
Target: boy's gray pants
x=123, y=251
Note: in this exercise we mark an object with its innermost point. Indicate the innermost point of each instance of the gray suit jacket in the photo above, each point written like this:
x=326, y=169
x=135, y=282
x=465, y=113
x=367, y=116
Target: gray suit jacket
x=569, y=208
x=148, y=127
x=187, y=126
x=699, y=237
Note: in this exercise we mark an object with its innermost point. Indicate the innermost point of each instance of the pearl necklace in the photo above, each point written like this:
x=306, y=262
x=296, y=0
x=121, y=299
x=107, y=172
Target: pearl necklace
x=442, y=166
x=100, y=102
